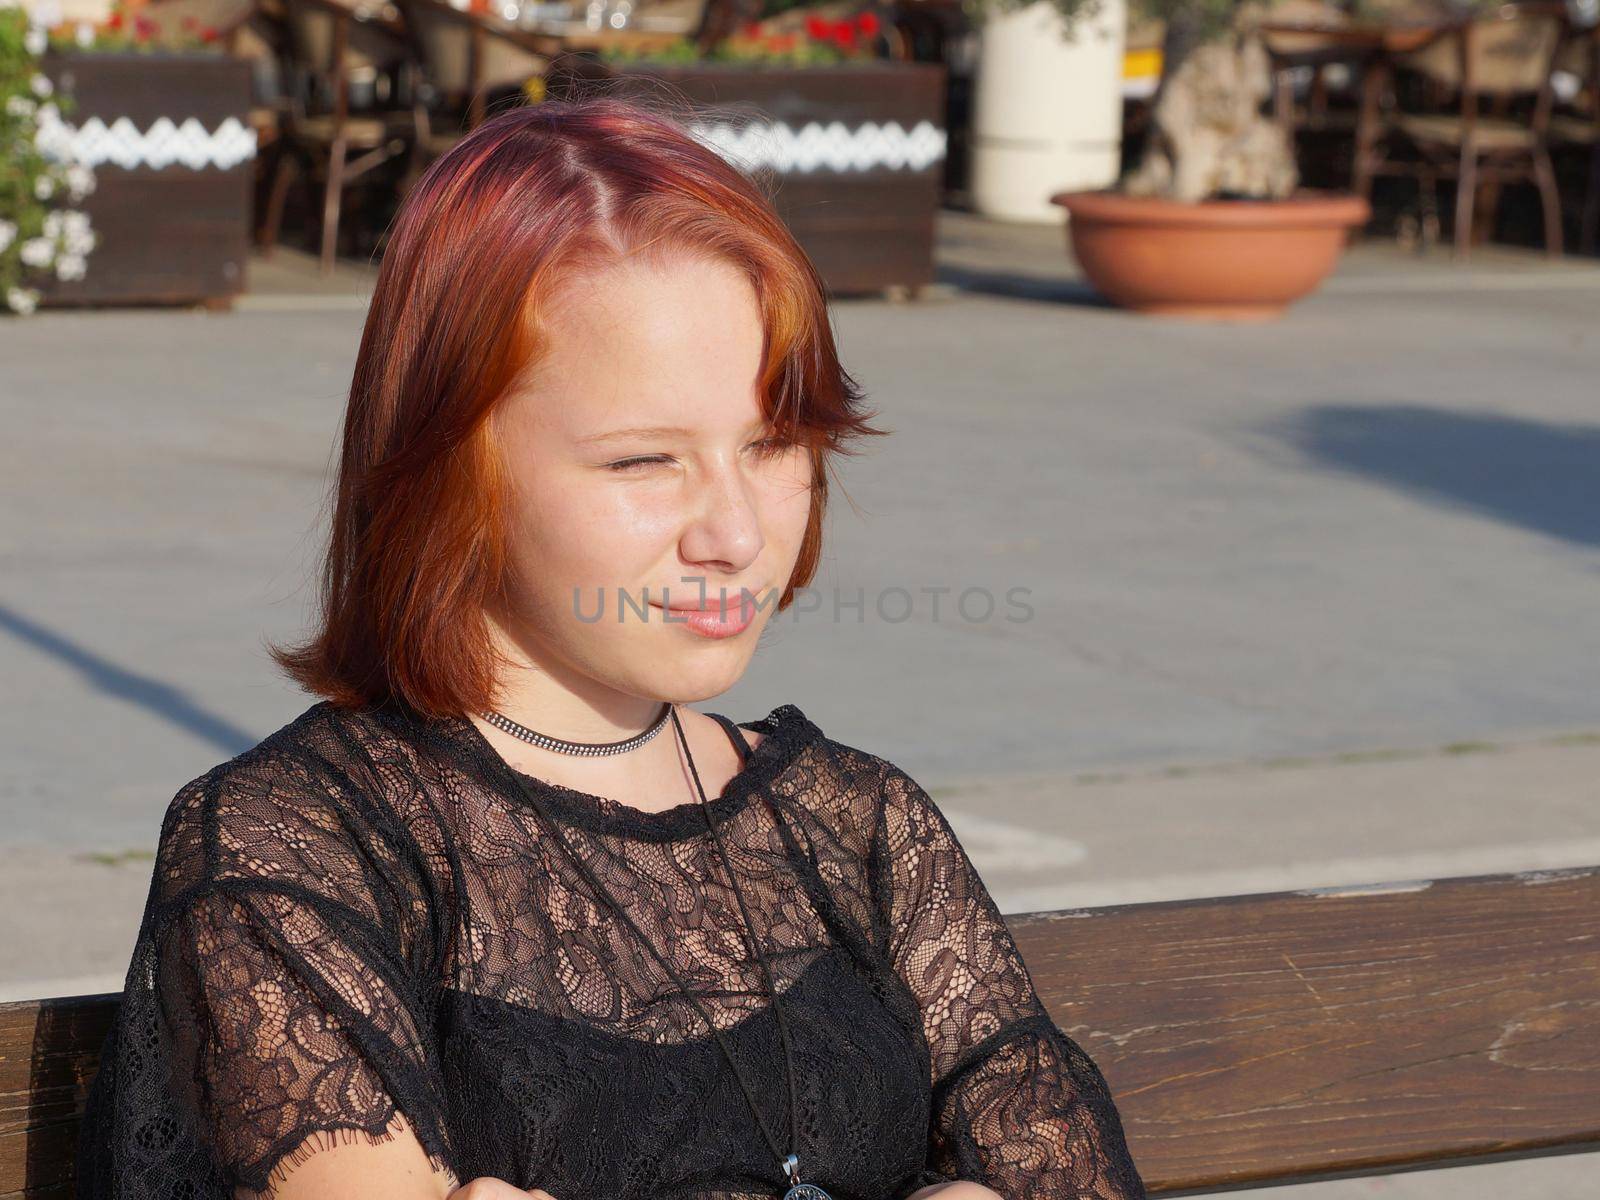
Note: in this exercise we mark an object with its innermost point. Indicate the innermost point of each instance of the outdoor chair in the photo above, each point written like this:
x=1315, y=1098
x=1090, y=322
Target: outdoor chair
x=1580, y=128
x=328, y=47
x=1497, y=70
x=461, y=57
x=1311, y=53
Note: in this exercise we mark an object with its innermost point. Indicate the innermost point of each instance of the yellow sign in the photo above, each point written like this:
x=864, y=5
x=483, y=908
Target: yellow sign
x=1141, y=64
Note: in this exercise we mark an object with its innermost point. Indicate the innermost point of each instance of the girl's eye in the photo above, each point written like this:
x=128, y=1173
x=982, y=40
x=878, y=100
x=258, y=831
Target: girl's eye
x=628, y=464
x=767, y=448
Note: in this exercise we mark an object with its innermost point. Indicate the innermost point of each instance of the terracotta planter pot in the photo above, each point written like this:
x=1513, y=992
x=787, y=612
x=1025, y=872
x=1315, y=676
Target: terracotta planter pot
x=1240, y=260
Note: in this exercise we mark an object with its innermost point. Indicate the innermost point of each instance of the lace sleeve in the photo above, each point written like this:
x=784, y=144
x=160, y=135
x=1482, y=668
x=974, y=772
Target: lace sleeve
x=1018, y=1105
x=269, y=1010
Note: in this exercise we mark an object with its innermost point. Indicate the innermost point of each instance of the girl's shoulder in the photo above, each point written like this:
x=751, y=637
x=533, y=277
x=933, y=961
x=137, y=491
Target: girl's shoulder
x=304, y=808
x=867, y=797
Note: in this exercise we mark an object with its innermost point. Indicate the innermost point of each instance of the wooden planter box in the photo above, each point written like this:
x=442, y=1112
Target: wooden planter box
x=859, y=149
x=169, y=138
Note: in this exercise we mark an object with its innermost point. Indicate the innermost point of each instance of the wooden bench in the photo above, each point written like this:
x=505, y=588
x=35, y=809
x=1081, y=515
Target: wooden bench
x=1249, y=1040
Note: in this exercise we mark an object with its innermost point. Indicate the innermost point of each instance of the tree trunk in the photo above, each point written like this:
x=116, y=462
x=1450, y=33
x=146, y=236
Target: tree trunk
x=1208, y=138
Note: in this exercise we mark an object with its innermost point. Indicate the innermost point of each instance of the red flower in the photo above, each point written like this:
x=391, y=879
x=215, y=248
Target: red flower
x=190, y=20
x=209, y=34
x=752, y=29
x=844, y=32
x=817, y=27
x=115, y=20
x=867, y=23
x=143, y=27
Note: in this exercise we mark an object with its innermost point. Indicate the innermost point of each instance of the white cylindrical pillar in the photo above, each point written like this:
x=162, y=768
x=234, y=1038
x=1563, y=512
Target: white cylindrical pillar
x=1047, y=109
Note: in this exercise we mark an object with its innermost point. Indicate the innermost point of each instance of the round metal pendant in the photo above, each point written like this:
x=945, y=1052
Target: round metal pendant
x=806, y=1191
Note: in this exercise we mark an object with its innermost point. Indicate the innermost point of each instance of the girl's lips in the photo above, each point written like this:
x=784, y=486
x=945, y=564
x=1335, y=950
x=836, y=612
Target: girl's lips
x=715, y=622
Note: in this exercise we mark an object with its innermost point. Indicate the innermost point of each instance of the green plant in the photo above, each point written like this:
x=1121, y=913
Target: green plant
x=41, y=230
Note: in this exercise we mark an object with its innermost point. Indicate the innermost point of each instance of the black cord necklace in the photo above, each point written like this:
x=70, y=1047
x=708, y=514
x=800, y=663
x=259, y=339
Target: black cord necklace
x=789, y=1163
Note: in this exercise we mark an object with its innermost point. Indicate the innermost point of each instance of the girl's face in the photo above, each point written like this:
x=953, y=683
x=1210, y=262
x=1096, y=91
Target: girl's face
x=644, y=476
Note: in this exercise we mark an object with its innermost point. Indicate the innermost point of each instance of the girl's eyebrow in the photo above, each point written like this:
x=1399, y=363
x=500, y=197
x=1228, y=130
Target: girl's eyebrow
x=637, y=431
x=644, y=431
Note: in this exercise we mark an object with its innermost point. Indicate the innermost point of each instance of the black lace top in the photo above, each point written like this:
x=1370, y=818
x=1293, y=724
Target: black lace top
x=365, y=919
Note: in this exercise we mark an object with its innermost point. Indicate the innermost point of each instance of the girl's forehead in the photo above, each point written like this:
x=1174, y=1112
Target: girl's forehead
x=654, y=351
x=642, y=314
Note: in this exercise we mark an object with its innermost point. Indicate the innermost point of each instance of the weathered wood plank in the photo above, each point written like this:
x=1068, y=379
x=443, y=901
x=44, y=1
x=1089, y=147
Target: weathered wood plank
x=1297, y=1036
x=49, y=1051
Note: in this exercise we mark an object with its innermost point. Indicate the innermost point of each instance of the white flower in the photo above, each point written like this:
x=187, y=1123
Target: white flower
x=80, y=181
x=70, y=266
x=35, y=41
x=22, y=300
x=38, y=251
x=79, y=241
x=47, y=113
x=20, y=106
x=53, y=223
x=41, y=85
x=76, y=230
x=84, y=34
x=44, y=187
x=8, y=233
x=5, y=4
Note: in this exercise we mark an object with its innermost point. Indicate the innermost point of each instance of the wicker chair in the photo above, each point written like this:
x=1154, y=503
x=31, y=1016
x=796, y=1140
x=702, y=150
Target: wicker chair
x=327, y=46
x=1497, y=63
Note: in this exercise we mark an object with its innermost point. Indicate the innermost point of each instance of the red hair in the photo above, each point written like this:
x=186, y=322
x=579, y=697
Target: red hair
x=421, y=502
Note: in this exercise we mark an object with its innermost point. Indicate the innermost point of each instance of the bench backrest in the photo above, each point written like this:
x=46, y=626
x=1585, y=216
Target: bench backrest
x=1248, y=1040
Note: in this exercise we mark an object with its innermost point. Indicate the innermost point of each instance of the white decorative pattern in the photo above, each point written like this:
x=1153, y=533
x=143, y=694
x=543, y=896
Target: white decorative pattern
x=162, y=145
x=833, y=147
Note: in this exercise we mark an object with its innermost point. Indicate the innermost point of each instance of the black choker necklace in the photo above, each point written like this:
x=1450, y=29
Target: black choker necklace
x=562, y=746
